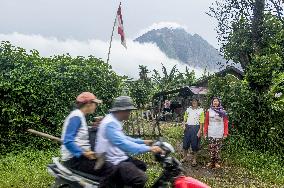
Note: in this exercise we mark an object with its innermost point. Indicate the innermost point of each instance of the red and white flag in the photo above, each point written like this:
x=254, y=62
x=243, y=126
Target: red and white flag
x=120, y=26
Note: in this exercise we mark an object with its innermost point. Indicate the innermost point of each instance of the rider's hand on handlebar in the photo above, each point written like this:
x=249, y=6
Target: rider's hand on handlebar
x=89, y=154
x=97, y=122
x=148, y=142
x=156, y=149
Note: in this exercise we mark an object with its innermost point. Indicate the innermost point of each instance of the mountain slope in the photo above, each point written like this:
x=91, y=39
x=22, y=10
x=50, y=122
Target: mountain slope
x=181, y=45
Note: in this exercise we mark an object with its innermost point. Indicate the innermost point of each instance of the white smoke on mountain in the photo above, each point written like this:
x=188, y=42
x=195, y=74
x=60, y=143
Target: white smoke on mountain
x=123, y=61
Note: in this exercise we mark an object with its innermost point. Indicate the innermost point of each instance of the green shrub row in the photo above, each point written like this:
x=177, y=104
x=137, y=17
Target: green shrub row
x=38, y=92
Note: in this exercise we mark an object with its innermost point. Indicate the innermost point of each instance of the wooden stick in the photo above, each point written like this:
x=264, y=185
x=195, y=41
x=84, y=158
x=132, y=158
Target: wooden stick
x=45, y=135
x=100, y=158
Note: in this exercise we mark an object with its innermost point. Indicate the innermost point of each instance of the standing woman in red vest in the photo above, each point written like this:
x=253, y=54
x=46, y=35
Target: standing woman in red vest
x=215, y=129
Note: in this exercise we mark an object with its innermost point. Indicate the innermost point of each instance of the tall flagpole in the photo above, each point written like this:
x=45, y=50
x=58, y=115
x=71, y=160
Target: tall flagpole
x=115, y=19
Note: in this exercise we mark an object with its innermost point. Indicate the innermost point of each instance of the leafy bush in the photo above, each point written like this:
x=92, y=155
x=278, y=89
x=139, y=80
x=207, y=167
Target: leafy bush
x=38, y=92
x=277, y=93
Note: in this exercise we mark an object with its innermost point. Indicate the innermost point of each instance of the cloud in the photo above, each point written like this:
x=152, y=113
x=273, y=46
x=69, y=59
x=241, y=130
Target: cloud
x=124, y=62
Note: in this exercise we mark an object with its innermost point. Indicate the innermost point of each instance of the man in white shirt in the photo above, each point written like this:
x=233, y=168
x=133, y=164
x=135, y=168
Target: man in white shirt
x=193, y=123
x=112, y=141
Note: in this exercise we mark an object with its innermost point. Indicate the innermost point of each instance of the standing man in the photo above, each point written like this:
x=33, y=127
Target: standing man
x=76, y=148
x=193, y=123
x=116, y=145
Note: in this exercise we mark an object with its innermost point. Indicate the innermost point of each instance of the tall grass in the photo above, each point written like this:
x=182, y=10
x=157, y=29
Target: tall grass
x=267, y=167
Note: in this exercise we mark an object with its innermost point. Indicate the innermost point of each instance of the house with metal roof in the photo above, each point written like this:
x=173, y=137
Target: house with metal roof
x=201, y=86
x=181, y=96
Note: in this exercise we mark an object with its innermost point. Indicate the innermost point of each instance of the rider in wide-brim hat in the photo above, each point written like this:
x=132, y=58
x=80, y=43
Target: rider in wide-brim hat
x=122, y=103
x=116, y=145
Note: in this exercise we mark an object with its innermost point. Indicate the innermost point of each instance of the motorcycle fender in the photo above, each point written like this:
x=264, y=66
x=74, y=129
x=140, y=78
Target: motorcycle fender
x=188, y=182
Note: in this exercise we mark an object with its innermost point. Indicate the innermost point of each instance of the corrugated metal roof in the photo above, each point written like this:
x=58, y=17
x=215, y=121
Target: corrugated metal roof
x=198, y=90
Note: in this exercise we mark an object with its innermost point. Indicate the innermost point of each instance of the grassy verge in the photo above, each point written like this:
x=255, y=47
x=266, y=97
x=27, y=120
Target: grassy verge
x=264, y=167
x=241, y=166
x=26, y=169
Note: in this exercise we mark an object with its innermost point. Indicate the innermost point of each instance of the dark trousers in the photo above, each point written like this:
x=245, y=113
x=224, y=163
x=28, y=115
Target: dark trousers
x=131, y=173
x=86, y=165
x=190, y=138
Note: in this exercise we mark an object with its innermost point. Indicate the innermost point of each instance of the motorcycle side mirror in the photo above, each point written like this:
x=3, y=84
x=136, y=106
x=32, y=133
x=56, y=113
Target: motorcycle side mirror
x=168, y=148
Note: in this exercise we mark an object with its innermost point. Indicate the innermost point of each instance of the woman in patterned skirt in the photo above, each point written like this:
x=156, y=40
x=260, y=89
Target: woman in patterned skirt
x=215, y=129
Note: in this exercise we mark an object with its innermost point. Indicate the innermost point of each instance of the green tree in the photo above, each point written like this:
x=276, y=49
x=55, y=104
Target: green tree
x=172, y=79
x=241, y=22
x=166, y=80
x=188, y=77
x=141, y=90
x=143, y=73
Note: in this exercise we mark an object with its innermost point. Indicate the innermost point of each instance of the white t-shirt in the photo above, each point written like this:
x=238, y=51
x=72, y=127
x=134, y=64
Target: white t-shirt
x=194, y=115
x=216, y=125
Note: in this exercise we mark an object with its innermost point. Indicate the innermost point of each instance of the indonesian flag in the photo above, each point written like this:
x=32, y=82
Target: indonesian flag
x=120, y=26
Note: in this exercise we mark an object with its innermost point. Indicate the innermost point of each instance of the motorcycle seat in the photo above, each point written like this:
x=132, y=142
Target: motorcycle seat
x=86, y=175
x=83, y=174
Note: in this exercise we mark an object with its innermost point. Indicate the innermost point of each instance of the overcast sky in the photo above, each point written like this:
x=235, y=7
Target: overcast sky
x=86, y=20
x=93, y=19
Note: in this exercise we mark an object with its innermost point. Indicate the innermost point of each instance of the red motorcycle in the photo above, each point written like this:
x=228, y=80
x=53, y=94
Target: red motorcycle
x=173, y=170
x=170, y=177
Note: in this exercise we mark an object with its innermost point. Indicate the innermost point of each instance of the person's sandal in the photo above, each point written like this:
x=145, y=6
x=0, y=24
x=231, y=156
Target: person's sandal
x=210, y=165
x=217, y=165
x=194, y=163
